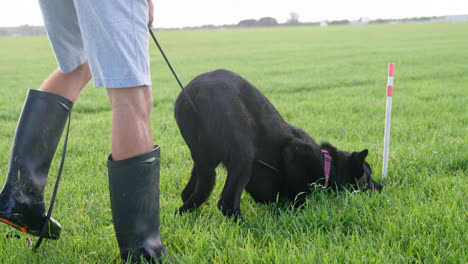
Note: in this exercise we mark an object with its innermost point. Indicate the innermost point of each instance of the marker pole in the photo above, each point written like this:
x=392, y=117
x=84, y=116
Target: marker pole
x=388, y=115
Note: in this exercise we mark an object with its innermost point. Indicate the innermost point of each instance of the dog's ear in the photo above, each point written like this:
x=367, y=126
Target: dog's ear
x=361, y=156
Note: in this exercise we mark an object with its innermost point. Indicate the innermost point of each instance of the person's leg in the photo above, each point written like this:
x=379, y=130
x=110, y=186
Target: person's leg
x=42, y=122
x=68, y=85
x=133, y=168
x=115, y=36
x=131, y=121
x=37, y=136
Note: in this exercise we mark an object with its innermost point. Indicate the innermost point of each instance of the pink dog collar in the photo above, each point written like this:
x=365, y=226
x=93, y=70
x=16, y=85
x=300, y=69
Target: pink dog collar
x=326, y=167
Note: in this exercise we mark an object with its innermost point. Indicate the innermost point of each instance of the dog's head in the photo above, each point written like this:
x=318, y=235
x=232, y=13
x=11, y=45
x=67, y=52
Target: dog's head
x=364, y=172
x=302, y=161
x=351, y=169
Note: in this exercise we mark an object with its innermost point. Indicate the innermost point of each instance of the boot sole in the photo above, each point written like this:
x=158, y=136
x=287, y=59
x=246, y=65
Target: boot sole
x=24, y=229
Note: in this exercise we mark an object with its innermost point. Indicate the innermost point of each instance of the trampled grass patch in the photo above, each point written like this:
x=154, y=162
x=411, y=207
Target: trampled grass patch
x=330, y=82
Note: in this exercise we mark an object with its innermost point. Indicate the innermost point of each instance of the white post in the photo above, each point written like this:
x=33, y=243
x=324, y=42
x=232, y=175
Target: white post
x=388, y=115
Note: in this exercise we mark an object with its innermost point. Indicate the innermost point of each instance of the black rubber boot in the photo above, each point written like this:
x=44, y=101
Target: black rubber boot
x=134, y=194
x=37, y=135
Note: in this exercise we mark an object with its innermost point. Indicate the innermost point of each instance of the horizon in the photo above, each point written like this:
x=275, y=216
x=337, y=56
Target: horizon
x=169, y=14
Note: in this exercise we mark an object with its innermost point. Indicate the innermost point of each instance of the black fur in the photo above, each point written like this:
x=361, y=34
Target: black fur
x=235, y=124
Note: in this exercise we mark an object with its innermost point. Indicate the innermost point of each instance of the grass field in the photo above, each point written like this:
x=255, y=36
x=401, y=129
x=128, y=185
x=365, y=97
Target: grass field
x=330, y=82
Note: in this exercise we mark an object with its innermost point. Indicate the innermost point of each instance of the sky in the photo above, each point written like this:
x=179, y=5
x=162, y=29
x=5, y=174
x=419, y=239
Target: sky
x=181, y=13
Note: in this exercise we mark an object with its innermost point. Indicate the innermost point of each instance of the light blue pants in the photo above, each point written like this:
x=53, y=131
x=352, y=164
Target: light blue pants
x=112, y=35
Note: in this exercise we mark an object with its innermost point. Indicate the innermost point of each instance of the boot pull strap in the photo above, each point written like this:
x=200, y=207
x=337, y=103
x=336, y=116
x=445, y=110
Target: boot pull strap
x=59, y=176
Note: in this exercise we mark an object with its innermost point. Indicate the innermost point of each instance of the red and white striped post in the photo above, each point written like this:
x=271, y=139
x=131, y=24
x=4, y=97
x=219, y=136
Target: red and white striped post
x=388, y=115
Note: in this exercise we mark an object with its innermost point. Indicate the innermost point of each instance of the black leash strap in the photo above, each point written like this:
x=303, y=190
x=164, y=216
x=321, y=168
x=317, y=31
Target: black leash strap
x=268, y=165
x=57, y=182
x=172, y=70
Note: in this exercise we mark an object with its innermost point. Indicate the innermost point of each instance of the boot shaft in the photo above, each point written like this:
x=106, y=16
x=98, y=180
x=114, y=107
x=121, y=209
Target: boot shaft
x=134, y=194
x=37, y=136
x=38, y=133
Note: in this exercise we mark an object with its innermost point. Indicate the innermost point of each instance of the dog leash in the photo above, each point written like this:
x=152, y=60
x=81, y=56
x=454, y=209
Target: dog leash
x=268, y=165
x=172, y=70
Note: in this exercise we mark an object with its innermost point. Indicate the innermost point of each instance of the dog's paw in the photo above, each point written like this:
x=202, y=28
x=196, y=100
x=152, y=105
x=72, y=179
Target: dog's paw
x=235, y=215
x=184, y=209
x=230, y=212
x=177, y=212
x=238, y=218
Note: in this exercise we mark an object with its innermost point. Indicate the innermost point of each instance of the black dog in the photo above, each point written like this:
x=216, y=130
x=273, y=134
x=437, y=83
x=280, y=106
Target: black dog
x=235, y=124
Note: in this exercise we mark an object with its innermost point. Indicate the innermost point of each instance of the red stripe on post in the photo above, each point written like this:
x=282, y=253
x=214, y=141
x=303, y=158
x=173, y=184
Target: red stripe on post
x=391, y=69
x=389, y=90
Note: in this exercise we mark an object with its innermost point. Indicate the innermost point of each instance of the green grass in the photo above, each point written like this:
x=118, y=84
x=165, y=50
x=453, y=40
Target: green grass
x=330, y=82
